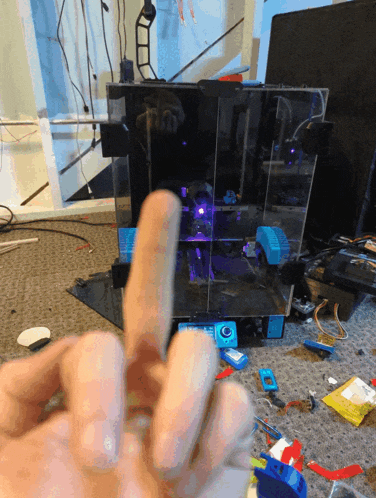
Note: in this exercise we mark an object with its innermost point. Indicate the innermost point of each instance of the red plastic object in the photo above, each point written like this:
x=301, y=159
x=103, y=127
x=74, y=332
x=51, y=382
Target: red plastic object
x=299, y=464
x=292, y=452
x=225, y=373
x=232, y=77
x=268, y=440
x=82, y=247
x=336, y=475
x=373, y=382
x=291, y=404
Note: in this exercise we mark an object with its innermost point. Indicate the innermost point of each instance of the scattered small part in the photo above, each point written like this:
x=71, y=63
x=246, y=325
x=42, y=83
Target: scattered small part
x=311, y=397
x=264, y=399
x=353, y=400
x=335, y=475
x=360, y=352
x=13, y=311
x=276, y=401
x=235, y=358
x=268, y=440
x=35, y=338
x=292, y=403
x=278, y=449
x=332, y=381
x=292, y=452
x=373, y=381
x=225, y=373
x=269, y=429
x=268, y=380
x=82, y=247
x=318, y=347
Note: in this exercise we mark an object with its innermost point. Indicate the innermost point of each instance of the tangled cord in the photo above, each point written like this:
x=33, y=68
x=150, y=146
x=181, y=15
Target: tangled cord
x=9, y=226
x=344, y=334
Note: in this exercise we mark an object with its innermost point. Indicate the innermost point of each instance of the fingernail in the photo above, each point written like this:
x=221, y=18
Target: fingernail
x=100, y=446
x=239, y=460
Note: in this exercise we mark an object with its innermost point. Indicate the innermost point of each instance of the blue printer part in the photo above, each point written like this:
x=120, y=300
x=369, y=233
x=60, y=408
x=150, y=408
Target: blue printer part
x=235, y=358
x=279, y=480
x=224, y=333
x=274, y=242
x=251, y=83
x=266, y=374
x=318, y=346
x=127, y=240
x=273, y=326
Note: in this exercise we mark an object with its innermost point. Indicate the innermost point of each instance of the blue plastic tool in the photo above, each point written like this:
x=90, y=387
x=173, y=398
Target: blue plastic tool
x=266, y=374
x=272, y=431
x=279, y=480
x=318, y=346
x=235, y=358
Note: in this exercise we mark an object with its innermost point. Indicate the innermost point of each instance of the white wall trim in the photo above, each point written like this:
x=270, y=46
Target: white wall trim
x=85, y=207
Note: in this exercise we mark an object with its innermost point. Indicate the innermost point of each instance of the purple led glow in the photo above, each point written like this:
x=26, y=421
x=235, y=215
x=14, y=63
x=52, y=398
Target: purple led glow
x=184, y=192
x=292, y=151
x=201, y=211
x=199, y=238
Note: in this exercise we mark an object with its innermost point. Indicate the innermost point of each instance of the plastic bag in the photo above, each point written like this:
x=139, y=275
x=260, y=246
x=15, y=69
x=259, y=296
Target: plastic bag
x=342, y=490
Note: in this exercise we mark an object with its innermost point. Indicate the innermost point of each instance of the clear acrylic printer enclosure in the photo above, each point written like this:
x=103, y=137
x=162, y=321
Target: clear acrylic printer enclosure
x=237, y=164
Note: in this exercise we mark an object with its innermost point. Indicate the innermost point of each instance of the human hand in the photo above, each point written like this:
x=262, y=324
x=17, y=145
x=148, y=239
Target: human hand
x=142, y=402
x=164, y=112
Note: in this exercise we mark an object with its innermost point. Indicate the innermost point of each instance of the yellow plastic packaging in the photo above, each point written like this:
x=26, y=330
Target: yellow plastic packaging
x=353, y=400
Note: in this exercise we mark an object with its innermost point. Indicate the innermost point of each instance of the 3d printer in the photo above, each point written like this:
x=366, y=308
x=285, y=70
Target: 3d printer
x=242, y=161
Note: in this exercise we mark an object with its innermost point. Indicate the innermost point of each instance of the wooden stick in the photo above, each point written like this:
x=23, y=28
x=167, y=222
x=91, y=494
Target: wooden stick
x=7, y=249
x=25, y=241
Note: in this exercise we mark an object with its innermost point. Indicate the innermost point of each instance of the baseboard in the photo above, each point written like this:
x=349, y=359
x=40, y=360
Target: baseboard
x=28, y=213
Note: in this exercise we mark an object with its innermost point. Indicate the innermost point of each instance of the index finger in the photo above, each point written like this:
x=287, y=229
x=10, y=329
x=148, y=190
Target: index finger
x=148, y=301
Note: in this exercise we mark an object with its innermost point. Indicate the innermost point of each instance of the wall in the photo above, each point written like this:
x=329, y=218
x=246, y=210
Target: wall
x=23, y=164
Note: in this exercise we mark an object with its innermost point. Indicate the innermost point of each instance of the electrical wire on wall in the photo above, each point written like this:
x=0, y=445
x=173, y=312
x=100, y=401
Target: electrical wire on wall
x=125, y=32
x=105, y=7
x=16, y=140
x=86, y=108
x=118, y=27
x=94, y=143
x=91, y=95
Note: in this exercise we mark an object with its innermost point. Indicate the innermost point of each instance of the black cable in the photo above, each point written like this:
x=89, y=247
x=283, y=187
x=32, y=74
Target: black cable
x=125, y=32
x=87, y=58
x=86, y=109
x=104, y=6
x=9, y=226
x=90, y=91
x=204, y=52
x=55, y=220
x=121, y=50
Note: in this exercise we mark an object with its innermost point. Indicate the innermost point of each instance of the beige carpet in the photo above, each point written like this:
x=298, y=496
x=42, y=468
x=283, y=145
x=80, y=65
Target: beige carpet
x=33, y=293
